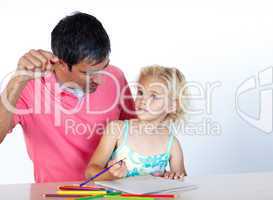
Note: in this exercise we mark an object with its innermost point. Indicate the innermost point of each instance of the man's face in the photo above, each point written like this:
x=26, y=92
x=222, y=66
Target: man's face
x=86, y=74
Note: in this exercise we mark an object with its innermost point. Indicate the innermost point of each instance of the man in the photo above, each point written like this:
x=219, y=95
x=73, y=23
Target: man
x=63, y=113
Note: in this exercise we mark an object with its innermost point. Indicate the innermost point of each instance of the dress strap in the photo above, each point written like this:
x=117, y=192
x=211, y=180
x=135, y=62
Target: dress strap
x=124, y=136
x=125, y=132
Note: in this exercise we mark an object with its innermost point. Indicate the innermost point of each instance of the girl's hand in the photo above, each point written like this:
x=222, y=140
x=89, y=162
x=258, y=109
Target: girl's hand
x=118, y=170
x=173, y=175
x=170, y=175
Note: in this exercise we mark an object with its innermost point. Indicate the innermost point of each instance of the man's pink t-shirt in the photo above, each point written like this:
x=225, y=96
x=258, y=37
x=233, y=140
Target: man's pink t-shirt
x=59, y=142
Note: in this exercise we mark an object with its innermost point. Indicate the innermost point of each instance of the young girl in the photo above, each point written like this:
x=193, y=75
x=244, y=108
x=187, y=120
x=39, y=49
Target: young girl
x=147, y=143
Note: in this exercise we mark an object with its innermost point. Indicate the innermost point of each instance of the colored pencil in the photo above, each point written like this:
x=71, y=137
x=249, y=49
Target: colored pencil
x=66, y=195
x=80, y=188
x=115, y=197
x=150, y=195
x=93, y=197
x=101, y=172
x=80, y=192
x=78, y=185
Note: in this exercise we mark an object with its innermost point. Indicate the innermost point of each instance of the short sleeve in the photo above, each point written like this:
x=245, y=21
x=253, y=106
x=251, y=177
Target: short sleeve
x=127, y=103
x=23, y=103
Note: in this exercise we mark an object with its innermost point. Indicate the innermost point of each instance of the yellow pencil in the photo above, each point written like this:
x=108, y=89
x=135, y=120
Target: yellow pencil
x=65, y=192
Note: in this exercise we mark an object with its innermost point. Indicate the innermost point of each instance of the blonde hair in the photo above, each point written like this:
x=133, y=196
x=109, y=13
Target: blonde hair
x=176, y=84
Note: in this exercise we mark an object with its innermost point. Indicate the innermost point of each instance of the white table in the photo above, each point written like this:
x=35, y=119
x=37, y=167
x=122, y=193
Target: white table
x=247, y=186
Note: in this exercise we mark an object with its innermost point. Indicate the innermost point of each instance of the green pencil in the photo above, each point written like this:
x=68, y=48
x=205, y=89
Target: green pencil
x=100, y=196
x=114, y=193
x=92, y=197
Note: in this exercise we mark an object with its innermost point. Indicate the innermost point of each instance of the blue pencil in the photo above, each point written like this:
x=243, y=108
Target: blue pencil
x=100, y=173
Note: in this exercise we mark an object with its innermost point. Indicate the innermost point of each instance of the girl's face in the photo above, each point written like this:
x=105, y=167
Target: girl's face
x=152, y=101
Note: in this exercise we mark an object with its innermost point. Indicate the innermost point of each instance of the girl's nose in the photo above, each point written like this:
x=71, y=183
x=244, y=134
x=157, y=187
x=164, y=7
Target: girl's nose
x=146, y=98
x=143, y=101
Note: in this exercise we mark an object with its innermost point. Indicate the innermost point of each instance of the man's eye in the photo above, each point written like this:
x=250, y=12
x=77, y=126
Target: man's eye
x=140, y=93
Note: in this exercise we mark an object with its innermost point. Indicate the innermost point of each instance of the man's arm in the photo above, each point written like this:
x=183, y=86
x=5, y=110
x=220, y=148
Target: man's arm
x=11, y=94
x=34, y=60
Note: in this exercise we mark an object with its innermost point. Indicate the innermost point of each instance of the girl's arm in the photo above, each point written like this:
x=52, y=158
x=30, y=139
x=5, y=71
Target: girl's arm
x=177, y=166
x=104, y=151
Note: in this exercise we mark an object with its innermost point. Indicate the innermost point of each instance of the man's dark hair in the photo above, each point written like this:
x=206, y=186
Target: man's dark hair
x=78, y=37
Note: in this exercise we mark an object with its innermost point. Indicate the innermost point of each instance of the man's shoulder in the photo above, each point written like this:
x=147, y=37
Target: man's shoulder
x=116, y=71
x=38, y=83
x=28, y=89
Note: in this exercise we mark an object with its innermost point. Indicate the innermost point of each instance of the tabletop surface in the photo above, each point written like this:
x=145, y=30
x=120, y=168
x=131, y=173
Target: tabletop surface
x=225, y=187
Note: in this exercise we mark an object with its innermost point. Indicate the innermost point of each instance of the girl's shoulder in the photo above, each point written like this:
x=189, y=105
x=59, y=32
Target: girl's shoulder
x=176, y=144
x=175, y=140
x=115, y=125
x=116, y=128
x=122, y=122
x=115, y=122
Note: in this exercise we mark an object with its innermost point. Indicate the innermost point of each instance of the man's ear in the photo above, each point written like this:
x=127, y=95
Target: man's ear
x=62, y=66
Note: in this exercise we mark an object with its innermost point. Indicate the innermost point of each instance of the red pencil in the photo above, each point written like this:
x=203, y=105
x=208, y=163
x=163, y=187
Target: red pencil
x=80, y=188
x=150, y=195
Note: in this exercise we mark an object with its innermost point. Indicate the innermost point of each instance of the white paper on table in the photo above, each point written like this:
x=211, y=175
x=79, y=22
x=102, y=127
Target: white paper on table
x=146, y=184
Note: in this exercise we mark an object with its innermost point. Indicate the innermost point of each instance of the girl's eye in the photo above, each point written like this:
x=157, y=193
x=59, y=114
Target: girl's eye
x=154, y=96
x=140, y=92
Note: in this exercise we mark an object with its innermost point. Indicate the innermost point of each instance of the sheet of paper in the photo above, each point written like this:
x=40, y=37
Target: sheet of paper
x=146, y=184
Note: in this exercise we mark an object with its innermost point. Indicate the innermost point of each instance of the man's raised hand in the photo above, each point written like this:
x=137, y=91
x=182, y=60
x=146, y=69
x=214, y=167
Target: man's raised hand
x=36, y=63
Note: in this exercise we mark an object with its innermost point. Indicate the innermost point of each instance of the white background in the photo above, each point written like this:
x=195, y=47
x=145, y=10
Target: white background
x=209, y=41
